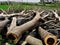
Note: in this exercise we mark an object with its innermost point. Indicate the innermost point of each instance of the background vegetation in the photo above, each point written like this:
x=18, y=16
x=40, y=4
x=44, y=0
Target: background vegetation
x=19, y=5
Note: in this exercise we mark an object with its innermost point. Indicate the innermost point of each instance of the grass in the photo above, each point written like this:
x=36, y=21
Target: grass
x=5, y=7
x=31, y=6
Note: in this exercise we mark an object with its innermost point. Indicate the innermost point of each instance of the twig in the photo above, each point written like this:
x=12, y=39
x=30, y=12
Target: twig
x=56, y=15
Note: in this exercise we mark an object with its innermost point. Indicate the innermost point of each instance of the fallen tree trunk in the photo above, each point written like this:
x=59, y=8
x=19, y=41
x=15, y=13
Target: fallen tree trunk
x=17, y=32
x=32, y=40
x=49, y=39
x=3, y=24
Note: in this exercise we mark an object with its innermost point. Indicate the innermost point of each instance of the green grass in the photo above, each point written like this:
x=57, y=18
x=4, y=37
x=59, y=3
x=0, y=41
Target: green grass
x=31, y=6
x=5, y=7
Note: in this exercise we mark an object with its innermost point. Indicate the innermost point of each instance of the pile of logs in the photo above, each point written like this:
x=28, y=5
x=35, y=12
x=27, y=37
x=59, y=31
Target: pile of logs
x=31, y=27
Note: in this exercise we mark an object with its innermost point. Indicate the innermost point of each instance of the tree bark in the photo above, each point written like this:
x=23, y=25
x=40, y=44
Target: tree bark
x=13, y=24
x=49, y=39
x=33, y=41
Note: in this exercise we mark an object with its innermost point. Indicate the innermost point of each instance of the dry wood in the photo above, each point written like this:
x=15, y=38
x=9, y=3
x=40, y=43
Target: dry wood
x=13, y=24
x=48, y=38
x=17, y=32
x=14, y=14
x=32, y=40
x=56, y=15
x=45, y=16
x=58, y=42
x=3, y=24
x=24, y=43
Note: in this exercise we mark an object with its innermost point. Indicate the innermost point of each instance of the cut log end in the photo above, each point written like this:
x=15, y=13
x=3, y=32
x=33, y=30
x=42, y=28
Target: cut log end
x=12, y=36
x=51, y=40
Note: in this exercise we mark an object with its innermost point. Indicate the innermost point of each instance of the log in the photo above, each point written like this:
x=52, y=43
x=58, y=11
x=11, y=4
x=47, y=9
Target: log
x=14, y=14
x=32, y=40
x=49, y=38
x=3, y=24
x=13, y=24
x=17, y=32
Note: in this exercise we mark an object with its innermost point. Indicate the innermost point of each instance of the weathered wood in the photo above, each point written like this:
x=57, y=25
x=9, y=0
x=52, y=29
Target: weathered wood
x=49, y=39
x=58, y=42
x=17, y=32
x=13, y=24
x=56, y=15
x=32, y=40
x=14, y=14
x=24, y=43
x=3, y=24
